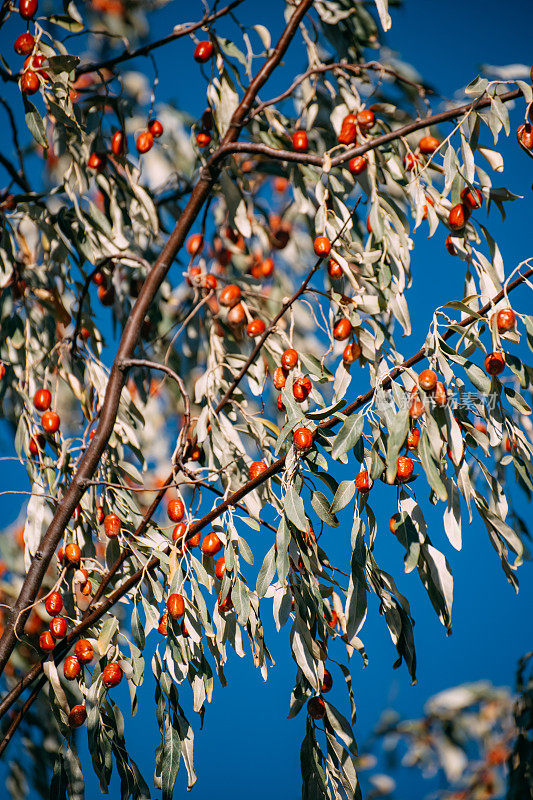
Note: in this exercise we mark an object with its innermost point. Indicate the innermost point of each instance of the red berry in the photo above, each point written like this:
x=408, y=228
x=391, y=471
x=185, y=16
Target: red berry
x=220, y=568
x=351, y=352
x=203, y=52
x=175, y=510
x=194, y=244
x=494, y=363
x=458, y=216
x=357, y=165
x=29, y=82
x=230, y=296
x=342, y=329
x=112, y=525
x=348, y=132
x=118, y=143
x=322, y=246
x=24, y=44
x=301, y=389
x=303, y=439
x=300, y=142
x=362, y=481
x=53, y=604
x=58, y=627
x=472, y=198
x=28, y=8
x=255, y=469
x=77, y=716
x=280, y=377
x=155, y=128
x=50, y=421
x=366, y=118
x=255, y=328
x=203, y=139
x=175, y=606
x=328, y=681
x=46, y=642
x=316, y=708
x=71, y=668
x=506, y=320
x=413, y=438
x=84, y=651
x=42, y=399
x=404, y=468
x=524, y=134
x=450, y=246
x=144, y=142
x=163, y=623
x=97, y=161
x=73, y=553
x=428, y=144
x=334, y=269
x=289, y=358
x=427, y=380
x=211, y=545
x=111, y=675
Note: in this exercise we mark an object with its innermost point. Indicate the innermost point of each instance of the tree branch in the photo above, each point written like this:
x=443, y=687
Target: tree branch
x=128, y=342
x=358, y=150
x=339, y=65
x=93, y=613
x=184, y=30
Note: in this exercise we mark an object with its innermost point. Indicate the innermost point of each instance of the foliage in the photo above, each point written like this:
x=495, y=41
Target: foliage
x=189, y=390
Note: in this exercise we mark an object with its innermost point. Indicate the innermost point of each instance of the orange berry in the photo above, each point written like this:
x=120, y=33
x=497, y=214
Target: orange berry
x=428, y=144
x=362, y=481
x=255, y=469
x=366, y=118
x=211, y=545
x=203, y=52
x=144, y=142
x=342, y=329
x=303, y=439
x=42, y=399
x=111, y=675
x=50, y=421
x=289, y=358
x=495, y=363
x=300, y=141
x=112, y=525
x=175, y=605
x=322, y=246
x=77, y=716
x=175, y=510
x=357, y=165
x=427, y=380
x=230, y=296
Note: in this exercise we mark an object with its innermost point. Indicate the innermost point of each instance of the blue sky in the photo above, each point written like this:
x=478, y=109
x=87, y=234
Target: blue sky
x=247, y=743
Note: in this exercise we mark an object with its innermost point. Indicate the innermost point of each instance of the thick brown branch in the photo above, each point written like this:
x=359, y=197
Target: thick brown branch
x=128, y=342
x=95, y=612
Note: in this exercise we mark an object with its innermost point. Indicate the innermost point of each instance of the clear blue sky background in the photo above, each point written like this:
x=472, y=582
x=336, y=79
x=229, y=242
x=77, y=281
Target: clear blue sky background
x=247, y=745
